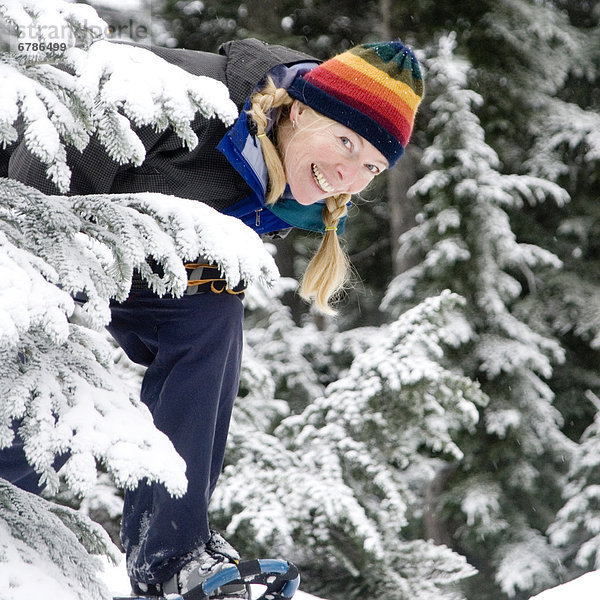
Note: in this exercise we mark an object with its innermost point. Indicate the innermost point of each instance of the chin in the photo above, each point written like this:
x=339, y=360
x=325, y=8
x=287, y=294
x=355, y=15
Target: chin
x=304, y=198
x=306, y=201
x=306, y=192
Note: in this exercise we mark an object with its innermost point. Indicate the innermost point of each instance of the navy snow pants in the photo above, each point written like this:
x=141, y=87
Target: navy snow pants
x=192, y=349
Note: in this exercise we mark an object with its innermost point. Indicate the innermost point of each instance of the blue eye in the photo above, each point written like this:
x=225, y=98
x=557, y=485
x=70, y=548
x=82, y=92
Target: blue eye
x=373, y=169
x=346, y=141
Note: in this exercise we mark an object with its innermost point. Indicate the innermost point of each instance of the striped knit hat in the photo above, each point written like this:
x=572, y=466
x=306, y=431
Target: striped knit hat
x=374, y=89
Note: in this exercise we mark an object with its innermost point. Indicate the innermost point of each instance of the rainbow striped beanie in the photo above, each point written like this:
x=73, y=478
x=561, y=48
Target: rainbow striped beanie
x=374, y=89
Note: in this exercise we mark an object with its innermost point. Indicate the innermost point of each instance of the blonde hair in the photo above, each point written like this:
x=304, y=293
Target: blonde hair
x=328, y=271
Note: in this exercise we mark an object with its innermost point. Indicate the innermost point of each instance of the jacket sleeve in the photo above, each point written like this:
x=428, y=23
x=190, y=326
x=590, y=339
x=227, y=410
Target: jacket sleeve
x=93, y=171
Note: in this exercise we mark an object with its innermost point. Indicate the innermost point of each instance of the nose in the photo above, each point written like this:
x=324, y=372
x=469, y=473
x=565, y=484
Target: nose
x=346, y=171
x=349, y=174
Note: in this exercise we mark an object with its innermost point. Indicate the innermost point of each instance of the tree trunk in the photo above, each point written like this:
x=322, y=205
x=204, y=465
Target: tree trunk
x=402, y=210
x=400, y=178
x=435, y=527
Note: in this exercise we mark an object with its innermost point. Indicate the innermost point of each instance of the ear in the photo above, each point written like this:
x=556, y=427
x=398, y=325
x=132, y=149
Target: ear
x=296, y=109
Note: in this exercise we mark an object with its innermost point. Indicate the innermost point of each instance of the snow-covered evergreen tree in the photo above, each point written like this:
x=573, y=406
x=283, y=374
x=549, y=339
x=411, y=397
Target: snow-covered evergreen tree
x=576, y=529
x=333, y=486
x=58, y=391
x=495, y=504
x=568, y=303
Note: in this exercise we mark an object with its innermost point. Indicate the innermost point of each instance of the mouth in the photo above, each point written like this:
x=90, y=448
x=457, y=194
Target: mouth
x=320, y=180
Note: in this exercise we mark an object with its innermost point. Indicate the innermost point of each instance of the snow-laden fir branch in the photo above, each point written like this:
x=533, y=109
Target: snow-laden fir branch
x=92, y=244
x=334, y=481
x=564, y=128
x=528, y=562
x=576, y=528
x=55, y=369
x=54, y=25
x=45, y=550
x=65, y=97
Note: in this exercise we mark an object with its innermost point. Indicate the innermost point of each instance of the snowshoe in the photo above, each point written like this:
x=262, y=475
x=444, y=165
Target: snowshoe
x=268, y=579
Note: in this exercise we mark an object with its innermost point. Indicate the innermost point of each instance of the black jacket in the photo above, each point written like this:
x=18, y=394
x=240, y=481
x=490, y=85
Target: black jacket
x=203, y=173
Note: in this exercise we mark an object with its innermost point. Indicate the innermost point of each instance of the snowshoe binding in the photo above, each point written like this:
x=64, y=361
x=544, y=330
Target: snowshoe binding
x=264, y=579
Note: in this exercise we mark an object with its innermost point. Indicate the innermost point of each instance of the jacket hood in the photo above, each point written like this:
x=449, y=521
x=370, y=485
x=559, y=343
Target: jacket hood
x=247, y=57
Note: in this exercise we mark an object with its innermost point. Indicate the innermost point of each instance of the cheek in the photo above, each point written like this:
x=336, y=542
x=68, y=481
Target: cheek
x=295, y=161
x=360, y=183
x=291, y=158
x=308, y=147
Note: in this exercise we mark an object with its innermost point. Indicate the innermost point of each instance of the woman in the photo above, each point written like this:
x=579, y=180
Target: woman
x=309, y=136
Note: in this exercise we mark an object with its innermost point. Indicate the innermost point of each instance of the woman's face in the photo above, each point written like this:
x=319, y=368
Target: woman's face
x=323, y=158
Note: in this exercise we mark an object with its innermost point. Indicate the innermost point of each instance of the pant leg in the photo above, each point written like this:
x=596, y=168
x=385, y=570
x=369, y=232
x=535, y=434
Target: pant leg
x=192, y=347
x=15, y=468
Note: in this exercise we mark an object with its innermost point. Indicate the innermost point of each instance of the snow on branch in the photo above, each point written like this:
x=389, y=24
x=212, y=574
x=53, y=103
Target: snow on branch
x=92, y=244
x=198, y=230
x=405, y=396
x=341, y=470
x=63, y=92
x=46, y=28
x=527, y=563
x=55, y=369
x=47, y=547
x=565, y=128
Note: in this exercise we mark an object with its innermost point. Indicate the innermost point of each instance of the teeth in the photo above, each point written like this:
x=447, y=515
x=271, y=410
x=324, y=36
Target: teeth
x=321, y=181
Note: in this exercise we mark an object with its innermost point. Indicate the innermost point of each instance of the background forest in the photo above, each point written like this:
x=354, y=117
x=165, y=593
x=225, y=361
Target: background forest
x=439, y=438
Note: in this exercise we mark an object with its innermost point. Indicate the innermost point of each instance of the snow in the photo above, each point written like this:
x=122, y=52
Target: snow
x=116, y=580
x=585, y=587
x=28, y=577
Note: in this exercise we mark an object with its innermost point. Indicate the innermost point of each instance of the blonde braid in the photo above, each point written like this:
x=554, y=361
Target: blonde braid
x=262, y=102
x=329, y=269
